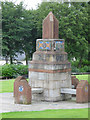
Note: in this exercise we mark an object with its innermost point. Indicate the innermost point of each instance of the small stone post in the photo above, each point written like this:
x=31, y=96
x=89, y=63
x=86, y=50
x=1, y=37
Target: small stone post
x=22, y=91
x=82, y=92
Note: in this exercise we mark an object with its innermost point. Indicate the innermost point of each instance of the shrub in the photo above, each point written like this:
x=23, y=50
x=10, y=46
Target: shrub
x=12, y=71
x=75, y=69
x=85, y=69
x=74, y=63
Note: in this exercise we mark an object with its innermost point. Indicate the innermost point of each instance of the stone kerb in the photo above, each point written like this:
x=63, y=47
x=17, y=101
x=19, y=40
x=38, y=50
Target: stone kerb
x=22, y=91
x=82, y=92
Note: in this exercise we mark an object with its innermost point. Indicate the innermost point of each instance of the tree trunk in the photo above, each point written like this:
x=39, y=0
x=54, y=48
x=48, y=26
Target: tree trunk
x=6, y=58
x=11, y=59
x=26, y=54
x=80, y=63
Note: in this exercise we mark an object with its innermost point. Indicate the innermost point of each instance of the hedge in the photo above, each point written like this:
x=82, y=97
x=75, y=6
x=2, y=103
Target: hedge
x=12, y=71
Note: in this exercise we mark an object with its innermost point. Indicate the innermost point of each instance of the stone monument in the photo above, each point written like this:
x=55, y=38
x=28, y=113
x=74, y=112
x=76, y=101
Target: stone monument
x=82, y=95
x=49, y=68
x=22, y=91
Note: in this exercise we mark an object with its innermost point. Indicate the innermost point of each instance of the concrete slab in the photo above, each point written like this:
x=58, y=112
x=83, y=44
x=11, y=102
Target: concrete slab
x=7, y=104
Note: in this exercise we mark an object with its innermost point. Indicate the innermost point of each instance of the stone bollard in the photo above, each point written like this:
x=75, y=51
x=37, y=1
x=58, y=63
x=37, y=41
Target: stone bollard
x=75, y=81
x=22, y=91
x=82, y=92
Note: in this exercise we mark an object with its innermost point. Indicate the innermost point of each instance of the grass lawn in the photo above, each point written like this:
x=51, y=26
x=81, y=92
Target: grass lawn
x=7, y=86
x=84, y=77
x=61, y=113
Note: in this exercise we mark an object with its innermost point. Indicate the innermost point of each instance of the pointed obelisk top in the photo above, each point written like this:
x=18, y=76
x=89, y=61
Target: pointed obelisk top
x=50, y=27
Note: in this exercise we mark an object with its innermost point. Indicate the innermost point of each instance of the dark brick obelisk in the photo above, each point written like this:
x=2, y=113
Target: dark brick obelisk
x=50, y=27
x=50, y=68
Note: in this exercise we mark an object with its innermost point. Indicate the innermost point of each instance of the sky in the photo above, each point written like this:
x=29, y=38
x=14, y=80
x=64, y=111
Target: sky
x=28, y=3
x=34, y=3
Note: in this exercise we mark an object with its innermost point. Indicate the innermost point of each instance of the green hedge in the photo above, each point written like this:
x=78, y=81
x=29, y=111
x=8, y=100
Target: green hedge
x=84, y=63
x=83, y=69
x=12, y=71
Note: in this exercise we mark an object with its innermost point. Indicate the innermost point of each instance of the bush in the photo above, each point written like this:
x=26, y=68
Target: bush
x=74, y=63
x=75, y=69
x=83, y=69
x=12, y=71
x=86, y=62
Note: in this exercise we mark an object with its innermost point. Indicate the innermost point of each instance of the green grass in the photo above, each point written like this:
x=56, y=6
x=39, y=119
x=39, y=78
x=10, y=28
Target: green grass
x=83, y=77
x=7, y=86
x=61, y=113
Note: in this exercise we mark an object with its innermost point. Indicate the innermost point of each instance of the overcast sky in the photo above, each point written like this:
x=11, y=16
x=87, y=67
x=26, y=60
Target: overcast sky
x=29, y=3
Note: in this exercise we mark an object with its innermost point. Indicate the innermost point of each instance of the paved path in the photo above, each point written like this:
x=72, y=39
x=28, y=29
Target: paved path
x=7, y=104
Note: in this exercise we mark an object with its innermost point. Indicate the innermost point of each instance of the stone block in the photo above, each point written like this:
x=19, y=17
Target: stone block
x=46, y=93
x=54, y=92
x=82, y=92
x=33, y=74
x=39, y=84
x=50, y=56
x=51, y=66
x=22, y=91
x=53, y=99
x=54, y=84
x=32, y=83
x=37, y=97
x=42, y=76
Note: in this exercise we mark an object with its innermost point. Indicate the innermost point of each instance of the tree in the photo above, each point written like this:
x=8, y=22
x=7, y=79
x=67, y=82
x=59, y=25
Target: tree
x=73, y=26
x=19, y=30
x=22, y=27
x=28, y=33
x=11, y=13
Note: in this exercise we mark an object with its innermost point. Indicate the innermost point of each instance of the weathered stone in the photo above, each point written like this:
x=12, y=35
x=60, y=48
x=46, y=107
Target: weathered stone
x=49, y=68
x=75, y=81
x=82, y=92
x=46, y=57
x=52, y=66
x=22, y=91
x=50, y=27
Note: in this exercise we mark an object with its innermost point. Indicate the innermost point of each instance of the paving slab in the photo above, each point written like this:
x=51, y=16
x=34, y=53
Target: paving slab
x=7, y=104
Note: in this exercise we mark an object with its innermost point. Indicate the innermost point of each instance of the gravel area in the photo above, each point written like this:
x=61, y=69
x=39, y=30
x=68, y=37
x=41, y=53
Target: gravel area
x=7, y=104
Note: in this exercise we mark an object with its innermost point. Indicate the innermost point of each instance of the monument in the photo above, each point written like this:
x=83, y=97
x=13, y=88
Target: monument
x=49, y=68
x=82, y=93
